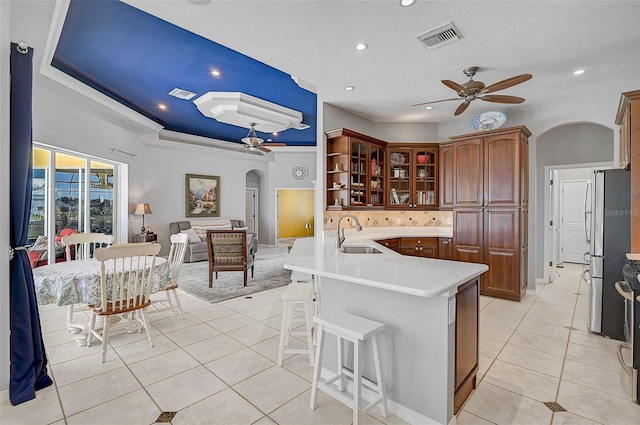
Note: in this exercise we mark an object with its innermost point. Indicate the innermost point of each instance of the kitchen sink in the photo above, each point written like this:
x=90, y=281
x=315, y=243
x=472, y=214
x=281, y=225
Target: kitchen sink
x=359, y=250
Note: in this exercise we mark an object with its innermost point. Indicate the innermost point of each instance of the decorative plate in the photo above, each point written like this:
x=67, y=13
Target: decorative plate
x=299, y=173
x=488, y=120
x=397, y=158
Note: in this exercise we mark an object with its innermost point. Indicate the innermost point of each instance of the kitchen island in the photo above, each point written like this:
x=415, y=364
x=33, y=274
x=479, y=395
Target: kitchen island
x=429, y=349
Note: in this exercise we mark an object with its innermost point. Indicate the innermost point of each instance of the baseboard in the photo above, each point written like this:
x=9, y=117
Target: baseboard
x=397, y=409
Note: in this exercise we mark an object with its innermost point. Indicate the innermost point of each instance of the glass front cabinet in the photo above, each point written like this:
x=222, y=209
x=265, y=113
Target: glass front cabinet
x=355, y=167
x=412, y=171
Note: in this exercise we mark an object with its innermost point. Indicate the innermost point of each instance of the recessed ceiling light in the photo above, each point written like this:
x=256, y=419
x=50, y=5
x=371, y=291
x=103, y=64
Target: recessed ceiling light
x=162, y=106
x=361, y=46
x=578, y=72
x=429, y=107
x=275, y=133
x=215, y=73
x=407, y=3
x=349, y=88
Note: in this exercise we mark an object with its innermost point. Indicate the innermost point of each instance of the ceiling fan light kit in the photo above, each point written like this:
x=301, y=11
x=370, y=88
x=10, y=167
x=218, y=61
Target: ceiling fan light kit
x=472, y=90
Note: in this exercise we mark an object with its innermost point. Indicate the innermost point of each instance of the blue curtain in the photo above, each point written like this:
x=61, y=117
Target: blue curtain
x=28, y=369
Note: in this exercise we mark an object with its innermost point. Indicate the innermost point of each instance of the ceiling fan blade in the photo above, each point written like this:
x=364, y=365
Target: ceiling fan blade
x=463, y=107
x=263, y=149
x=274, y=144
x=453, y=85
x=509, y=82
x=501, y=98
x=435, y=101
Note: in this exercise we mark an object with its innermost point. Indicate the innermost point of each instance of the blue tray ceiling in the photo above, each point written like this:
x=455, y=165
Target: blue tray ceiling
x=137, y=59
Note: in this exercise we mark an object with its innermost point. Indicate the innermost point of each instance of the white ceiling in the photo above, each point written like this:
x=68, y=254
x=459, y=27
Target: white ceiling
x=314, y=41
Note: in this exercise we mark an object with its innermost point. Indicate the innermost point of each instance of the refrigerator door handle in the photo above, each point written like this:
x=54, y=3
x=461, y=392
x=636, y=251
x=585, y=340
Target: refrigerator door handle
x=584, y=276
x=587, y=213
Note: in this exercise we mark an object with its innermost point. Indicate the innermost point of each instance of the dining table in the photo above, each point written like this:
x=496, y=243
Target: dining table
x=79, y=282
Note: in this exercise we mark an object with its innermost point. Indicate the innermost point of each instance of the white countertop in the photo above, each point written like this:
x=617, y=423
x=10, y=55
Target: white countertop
x=423, y=277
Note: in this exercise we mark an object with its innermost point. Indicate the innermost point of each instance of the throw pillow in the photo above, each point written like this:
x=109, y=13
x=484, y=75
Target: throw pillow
x=193, y=236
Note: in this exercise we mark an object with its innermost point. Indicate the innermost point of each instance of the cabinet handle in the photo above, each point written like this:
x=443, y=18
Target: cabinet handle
x=416, y=248
x=386, y=244
x=420, y=248
x=445, y=242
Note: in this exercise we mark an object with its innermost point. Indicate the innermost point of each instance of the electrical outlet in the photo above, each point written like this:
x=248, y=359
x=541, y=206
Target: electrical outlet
x=449, y=220
x=398, y=220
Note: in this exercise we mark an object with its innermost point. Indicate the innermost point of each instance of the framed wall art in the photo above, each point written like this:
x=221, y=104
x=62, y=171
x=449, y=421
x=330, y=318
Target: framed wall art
x=202, y=196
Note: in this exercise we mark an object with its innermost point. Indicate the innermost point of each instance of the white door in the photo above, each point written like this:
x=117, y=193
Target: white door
x=573, y=239
x=252, y=210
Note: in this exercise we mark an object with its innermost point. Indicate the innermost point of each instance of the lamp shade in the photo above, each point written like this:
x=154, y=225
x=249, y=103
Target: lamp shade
x=142, y=209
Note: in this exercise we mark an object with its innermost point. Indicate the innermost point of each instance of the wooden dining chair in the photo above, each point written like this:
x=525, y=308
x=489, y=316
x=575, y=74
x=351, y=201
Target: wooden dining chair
x=228, y=251
x=179, y=243
x=81, y=246
x=126, y=279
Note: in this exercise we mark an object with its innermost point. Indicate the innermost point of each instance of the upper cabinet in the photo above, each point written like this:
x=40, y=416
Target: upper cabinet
x=445, y=175
x=628, y=118
x=413, y=176
x=491, y=170
x=355, y=172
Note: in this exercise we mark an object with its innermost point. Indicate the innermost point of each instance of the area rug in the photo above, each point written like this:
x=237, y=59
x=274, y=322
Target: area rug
x=269, y=272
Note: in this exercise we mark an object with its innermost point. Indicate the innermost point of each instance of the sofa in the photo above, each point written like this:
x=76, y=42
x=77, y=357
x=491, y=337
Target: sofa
x=196, y=230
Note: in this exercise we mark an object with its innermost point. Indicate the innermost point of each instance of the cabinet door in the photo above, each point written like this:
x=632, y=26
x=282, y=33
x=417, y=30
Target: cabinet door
x=625, y=138
x=468, y=173
x=400, y=175
x=359, y=173
x=502, y=172
x=377, y=181
x=445, y=176
x=467, y=349
x=467, y=237
x=502, y=254
x=425, y=181
x=445, y=248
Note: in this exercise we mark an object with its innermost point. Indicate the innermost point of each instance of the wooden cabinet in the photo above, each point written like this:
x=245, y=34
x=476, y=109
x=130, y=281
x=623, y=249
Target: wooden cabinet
x=468, y=172
x=466, y=342
x=628, y=117
x=419, y=247
x=445, y=248
x=391, y=243
x=468, y=235
x=445, y=175
x=504, y=169
x=490, y=199
x=412, y=173
x=355, y=170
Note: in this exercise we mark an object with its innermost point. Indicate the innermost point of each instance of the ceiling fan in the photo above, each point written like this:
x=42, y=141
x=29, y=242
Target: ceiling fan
x=472, y=90
x=255, y=143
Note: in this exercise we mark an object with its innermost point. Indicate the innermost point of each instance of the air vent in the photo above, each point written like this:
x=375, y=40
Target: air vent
x=182, y=94
x=438, y=37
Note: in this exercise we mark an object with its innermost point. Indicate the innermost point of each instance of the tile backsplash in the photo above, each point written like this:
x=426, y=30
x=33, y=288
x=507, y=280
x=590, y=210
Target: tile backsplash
x=391, y=218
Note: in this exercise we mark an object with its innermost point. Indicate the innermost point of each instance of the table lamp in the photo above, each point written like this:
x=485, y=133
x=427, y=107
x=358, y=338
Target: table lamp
x=142, y=209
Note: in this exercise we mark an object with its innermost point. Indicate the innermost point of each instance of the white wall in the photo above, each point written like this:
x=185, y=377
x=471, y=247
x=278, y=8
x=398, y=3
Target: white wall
x=5, y=10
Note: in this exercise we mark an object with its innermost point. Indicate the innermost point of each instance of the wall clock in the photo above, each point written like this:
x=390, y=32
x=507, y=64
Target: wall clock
x=299, y=173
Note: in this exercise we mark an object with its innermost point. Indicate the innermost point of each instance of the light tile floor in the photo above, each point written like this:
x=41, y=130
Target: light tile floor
x=217, y=366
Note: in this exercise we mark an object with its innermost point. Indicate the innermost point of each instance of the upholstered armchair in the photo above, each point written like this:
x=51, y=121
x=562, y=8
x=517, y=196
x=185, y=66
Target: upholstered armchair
x=229, y=251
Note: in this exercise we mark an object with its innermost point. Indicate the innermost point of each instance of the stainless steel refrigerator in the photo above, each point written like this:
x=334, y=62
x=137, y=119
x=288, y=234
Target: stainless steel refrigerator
x=610, y=239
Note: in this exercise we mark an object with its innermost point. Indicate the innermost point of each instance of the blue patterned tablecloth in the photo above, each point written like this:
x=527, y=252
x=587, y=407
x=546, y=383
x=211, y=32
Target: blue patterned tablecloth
x=78, y=282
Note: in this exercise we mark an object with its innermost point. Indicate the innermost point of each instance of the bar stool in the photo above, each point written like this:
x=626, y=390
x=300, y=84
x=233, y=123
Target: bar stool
x=346, y=326
x=297, y=294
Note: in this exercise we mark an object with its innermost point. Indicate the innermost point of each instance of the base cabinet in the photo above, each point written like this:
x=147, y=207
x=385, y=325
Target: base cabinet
x=419, y=247
x=445, y=248
x=466, y=357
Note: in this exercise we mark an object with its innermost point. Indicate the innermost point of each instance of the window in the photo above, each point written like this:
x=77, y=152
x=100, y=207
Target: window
x=82, y=197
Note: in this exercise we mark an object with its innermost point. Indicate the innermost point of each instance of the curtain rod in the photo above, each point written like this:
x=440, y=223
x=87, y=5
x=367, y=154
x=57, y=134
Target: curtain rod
x=132, y=155
x=22, y=47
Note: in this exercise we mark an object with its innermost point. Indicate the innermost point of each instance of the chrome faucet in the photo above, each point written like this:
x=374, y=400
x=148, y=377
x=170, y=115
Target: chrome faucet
x=341, y=231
